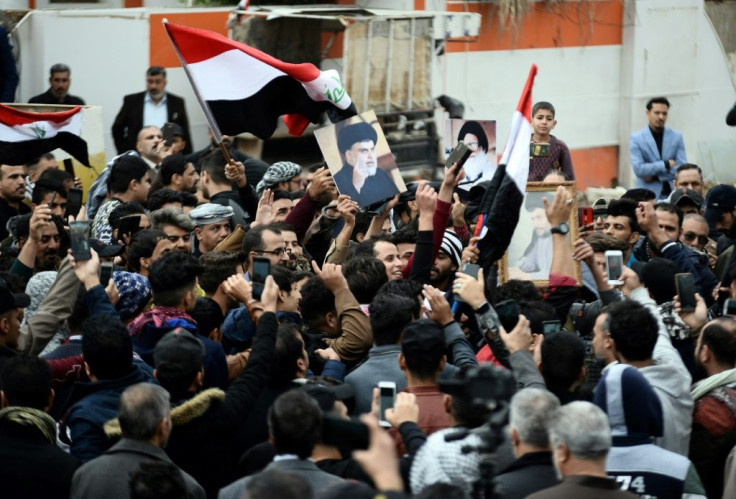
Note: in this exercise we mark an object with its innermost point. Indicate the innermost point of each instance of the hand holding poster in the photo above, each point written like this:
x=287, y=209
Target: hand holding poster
x=480, y=136
x=360, y=160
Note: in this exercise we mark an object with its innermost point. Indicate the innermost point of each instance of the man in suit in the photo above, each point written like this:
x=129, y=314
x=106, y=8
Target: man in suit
x=295, y=422
x=154, y=107
x=656, y=150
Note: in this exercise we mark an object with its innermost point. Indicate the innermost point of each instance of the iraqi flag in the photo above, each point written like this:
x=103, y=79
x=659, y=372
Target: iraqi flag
x=25, y=136
x=247, y=90
x=501, y=202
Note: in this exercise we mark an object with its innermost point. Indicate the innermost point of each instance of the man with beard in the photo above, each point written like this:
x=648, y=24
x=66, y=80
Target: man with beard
x=176, y=225
x=154, y=107
x=58, y=92
x=447, y=261
x=12, y=193
x=39, y=240
x=714, y=417
x=478, y=166
x=360, y=177
x=179, y=174
x=537, y=258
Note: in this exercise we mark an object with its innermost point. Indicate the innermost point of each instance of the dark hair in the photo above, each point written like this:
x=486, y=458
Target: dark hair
x=217, y=266
x=176, y=164
x=720, y=337
x=518, y=291
x=367, y=246
x=59, y=68
x=125, y=169
x=405, y=235
x=123, y=210
x=56, y=175
x=289, y=345
x=142, y=245
x=657, y=100
x=425, y=362
x=624, y=207
x=158, y=198
x=601, y=242
x=283, y=277
x=543, y=105
x=172, y=276
x=536, y=312
x=639, y=194
x=317, y=301
x=155, y=71
x=26, y=382
x=214, y=164
x=671, y=208
x=295, y=423
x=208, y=315
x=274, y=483
x=365, y=276
x=157, y=480
x=43, y=187
x=633, y=328
x=442, y=491
x=563, y=356
x=688, y=166
x=107, y=347
x=188, y=199
x=389, y=315
x=408, y=288
x=476, y=129
x=281, y=194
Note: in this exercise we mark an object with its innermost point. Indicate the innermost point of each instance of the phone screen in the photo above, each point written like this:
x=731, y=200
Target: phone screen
x=550, y=327
x=168, y=133
x=79, y=232
x=74, y=202
x=261, y=270
x=686, y=291
x=729, y=307
x=105, y=273
x=459, y=155
x=614, y=266
x=508, y=314
x=386, y=399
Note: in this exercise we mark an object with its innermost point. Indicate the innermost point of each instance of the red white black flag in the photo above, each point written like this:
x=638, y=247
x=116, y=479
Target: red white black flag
x=247, y=90
x=25, y=136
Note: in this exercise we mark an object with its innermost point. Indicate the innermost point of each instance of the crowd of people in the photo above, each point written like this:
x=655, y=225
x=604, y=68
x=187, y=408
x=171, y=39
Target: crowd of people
x=169, y=364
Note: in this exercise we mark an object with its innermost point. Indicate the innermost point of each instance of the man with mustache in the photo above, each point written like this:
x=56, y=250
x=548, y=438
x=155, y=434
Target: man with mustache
x=12, y=193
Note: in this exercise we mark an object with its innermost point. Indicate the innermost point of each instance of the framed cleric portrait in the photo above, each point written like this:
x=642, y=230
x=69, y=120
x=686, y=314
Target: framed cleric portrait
x=360, y=160
x=480, y=137
x=529, y=255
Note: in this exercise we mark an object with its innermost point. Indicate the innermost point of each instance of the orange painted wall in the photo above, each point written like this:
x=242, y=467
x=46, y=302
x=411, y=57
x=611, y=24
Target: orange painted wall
x=161, y=51
x=567, y=24
x=595, y=167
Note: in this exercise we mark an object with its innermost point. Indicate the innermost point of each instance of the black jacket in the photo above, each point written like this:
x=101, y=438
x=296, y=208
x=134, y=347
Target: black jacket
x=530, y=473
x=48, y=98
x=30, y=465
x=205, y=423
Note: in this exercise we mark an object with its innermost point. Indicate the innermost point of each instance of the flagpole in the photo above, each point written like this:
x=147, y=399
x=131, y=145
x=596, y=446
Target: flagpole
x=202, y=103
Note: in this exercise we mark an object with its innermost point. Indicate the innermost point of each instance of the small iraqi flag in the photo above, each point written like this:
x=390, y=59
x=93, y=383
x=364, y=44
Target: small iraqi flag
x=25, y=136
x=247, y=90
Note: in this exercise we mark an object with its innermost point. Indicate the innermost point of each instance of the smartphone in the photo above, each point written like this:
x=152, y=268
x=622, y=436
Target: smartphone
x=79, y=233
x=105, y=273
x=472, y=270
x=685, y=284
x=539, y=149
x=585, y=216
x=167, y=131
x=129, y=225
x=73, y=202
x=344, y=433
x=729, y=308
x=386, y=397
x=551, y=327
x=459, y=155
x=614, y=267
x=261, y=269
x=508, y=313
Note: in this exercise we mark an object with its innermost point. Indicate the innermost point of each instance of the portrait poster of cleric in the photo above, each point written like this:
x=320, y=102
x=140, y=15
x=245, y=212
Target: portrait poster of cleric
x=480, y=137
x=360, y=160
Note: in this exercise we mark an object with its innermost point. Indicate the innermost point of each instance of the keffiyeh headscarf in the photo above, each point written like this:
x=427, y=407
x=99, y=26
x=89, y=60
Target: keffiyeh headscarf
x=278, y=172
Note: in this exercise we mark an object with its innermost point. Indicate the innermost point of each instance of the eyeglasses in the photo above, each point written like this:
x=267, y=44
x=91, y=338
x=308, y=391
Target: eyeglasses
x=689, y=236
x=277, y=252
x=473, y=146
